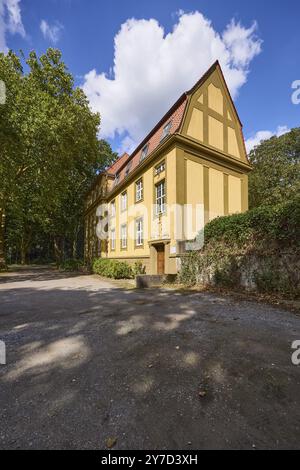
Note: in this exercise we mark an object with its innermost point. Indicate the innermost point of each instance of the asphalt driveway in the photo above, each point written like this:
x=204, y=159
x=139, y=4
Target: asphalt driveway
x=88, y=361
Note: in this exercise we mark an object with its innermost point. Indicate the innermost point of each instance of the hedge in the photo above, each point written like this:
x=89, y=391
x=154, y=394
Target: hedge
x=112, y=269
x=279, y=224
x=259, y=249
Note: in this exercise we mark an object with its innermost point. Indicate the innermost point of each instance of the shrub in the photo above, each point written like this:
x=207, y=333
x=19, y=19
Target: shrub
x=280, y=224
x=71, y=265
x=259, y=249
x=112, y=268
x=138, y=268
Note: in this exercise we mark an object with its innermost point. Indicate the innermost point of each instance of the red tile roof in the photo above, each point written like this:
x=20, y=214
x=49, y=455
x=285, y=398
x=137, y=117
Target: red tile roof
x=174, y=115
x=153, y=139
x=115, y=167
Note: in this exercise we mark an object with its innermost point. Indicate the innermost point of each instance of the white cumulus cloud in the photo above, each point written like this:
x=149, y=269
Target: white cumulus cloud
x=10, y=21
x=152, y=69
x=260, y=136
x=51, y=32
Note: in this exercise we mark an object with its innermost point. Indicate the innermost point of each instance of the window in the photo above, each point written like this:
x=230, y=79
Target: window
x=139, y=238
x=128, y=168
x=144, y=152
x=117, y=179
x=160, y=198
x=124, y=236
x=113, y=209
x=124, y=201
x=113, y=239
x=166, y=131
x=160, y=168
x=139, y=190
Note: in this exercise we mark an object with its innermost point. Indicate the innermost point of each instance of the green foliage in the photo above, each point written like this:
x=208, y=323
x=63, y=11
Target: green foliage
x=260, y=247
x=71, y=265
x=278, y=224
x=138, y=268
x=112, y=269
x=50, y=153
x=188, y=274
x=276, y=170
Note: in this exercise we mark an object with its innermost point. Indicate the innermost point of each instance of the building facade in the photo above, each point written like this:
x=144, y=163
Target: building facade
x=191, y=168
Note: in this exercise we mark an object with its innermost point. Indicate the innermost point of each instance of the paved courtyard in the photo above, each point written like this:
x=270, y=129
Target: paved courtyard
x=89, y=362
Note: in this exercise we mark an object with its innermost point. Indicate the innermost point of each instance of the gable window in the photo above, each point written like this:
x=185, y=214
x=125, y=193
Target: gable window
x=124, y=201
x=160, y=168
x=139, y=190
x=117, y=179
x=160, y=190
x=113, y=239
x=123, y=237
x=144, y=152
x=113, y=209
x=139, y=232
x=166, y=131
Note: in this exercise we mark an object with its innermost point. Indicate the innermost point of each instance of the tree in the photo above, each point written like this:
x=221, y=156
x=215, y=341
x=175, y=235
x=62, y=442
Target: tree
x=276, y=170
x=49, y=150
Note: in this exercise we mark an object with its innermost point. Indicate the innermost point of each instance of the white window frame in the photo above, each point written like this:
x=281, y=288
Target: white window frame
x=113, y=239
x=124, y=236
x=160, y=197
x=160, y=168
x=166, y=130
x=113, y=208
x=124, y=201
x=117, y=179
x=144, y=152
x=139, y=190
x=139, y=232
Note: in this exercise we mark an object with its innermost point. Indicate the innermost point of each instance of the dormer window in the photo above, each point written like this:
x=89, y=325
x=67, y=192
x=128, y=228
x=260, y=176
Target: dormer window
x=166, y=131
x=128, y=168
x=144, y=152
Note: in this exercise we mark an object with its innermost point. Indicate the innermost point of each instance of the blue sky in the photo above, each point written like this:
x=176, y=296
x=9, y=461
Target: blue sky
x=257, y=41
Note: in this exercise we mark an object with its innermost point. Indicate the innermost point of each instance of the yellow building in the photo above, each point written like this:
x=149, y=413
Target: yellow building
x=190, y=169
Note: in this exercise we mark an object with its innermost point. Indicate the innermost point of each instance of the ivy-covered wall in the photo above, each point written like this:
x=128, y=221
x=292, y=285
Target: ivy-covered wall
x=258, y=250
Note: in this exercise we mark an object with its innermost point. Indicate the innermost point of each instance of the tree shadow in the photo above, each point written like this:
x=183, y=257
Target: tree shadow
x=85, y=365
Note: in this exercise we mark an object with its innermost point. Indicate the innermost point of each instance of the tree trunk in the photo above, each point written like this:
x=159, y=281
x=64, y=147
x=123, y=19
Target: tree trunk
x=2, y=240
x=58, y=250
x=74, y=249
x=23, y=253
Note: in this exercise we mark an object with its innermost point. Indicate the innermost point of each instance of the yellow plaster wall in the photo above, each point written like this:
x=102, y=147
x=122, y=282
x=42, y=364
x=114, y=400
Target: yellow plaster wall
x=157, y=227
x=215, y=99
x=216, y=194
x=233, y=147
x=212, y=120
x=216, y=133
x=234, y=195
x=195, y=128
x=194, y=190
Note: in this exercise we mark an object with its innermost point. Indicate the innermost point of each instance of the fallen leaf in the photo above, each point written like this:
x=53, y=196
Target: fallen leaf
x=202, y=394
x=111, y=442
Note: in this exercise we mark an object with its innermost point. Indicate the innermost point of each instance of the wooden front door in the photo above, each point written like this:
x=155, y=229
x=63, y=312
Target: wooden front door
x=160, y=259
